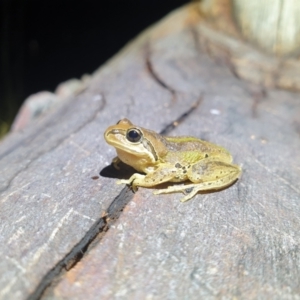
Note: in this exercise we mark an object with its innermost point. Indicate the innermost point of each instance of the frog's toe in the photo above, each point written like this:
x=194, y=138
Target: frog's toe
x=162, y=191
x=157, y=192
x=123, y=181
x=190, y=192
x=170, y=189
x=134, y=188
x=116, y=166
x=186, y=198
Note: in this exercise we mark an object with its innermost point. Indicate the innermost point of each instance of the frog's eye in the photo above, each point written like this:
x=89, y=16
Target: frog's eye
x=133, y=135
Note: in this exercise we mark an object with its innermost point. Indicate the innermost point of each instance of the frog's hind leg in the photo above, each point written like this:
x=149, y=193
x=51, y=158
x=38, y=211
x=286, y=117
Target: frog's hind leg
x=206, y=175
x=212, y=175
x=188, y=189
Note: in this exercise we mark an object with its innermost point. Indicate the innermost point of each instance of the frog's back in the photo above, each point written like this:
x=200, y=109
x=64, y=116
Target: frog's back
x=195, y=147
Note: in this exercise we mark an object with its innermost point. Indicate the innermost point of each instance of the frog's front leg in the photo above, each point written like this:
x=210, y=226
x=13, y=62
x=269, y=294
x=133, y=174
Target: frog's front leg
x=206, y=175
x=156, y=177
x=115, y=162
x=136, y=177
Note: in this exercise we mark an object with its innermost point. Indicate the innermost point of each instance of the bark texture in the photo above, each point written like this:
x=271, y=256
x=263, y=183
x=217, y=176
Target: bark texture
x=69, y=233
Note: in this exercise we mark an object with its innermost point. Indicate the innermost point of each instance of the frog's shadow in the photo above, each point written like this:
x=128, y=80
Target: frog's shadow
x=125, y=172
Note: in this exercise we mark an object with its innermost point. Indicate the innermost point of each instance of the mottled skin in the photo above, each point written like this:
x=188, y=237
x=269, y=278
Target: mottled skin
x=170, y=159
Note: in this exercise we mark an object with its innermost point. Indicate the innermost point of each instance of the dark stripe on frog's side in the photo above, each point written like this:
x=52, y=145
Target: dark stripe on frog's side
x=147, y=144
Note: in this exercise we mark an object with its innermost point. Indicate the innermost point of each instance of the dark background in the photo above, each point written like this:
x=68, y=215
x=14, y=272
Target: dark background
x=46, y=42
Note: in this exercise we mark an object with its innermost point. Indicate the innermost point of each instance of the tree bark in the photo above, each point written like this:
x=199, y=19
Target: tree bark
x=69, y=233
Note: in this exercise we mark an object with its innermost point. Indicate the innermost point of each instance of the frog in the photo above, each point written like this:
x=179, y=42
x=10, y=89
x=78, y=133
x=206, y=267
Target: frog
x=199, y=165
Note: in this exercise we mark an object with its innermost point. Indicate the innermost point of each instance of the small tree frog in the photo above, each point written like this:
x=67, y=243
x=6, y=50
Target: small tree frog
x=171, y=159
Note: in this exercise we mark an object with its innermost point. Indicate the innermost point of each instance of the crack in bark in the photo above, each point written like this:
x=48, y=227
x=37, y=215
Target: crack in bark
x=179, y=120
x=101, y=226
x=75, y=255
x=154, y=74
x=56, y=145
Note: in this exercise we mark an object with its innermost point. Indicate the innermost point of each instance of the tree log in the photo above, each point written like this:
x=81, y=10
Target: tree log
x=69, y=233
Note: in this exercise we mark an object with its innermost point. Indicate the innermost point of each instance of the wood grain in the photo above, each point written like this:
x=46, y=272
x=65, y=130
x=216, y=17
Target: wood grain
x=69, y=233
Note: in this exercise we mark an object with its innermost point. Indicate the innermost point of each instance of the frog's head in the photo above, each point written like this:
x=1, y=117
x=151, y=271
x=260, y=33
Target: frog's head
x=134, y=142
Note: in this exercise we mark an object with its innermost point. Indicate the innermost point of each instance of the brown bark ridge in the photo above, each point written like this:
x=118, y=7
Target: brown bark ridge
x=69, y=233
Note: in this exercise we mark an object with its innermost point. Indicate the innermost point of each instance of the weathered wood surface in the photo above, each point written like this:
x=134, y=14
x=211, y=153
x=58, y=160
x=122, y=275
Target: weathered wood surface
x=239, y=243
